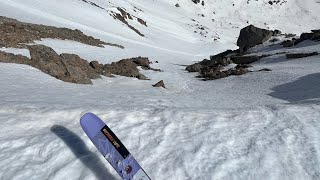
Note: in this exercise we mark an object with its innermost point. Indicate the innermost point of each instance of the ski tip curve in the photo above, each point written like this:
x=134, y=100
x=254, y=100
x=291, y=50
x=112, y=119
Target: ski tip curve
x=91, y=124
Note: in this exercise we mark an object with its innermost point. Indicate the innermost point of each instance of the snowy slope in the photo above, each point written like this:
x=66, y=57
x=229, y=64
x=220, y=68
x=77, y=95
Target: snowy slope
x=262, y=125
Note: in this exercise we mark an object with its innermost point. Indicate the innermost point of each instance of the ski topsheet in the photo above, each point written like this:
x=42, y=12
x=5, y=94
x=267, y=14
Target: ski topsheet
x=111, y=148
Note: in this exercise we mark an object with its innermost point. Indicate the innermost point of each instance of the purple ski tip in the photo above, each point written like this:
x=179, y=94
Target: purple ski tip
x=110, y=146
x=91, y=124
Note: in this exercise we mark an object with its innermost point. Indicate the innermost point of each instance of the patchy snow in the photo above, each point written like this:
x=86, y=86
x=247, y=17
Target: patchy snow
x=262, y=125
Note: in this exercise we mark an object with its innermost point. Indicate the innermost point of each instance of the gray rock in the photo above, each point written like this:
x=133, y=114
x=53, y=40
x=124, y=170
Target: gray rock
x=159, y=84
x=301, y=55
x=265, y=69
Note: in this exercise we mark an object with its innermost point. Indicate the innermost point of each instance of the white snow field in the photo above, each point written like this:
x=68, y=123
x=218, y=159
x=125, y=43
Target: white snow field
x=262, y=125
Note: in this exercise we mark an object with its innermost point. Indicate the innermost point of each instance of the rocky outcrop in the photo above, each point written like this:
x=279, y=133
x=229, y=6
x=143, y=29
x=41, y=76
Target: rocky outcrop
x=215, y=67
x=251, y=36
x=124, y=67
x=66, y=67
x=14, y=33
x=213, y=73
x=301, y=55
x=72, y=68
x=313, y=36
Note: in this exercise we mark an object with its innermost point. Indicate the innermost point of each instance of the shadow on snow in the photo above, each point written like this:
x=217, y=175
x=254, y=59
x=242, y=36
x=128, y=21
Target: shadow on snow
x=302, y=91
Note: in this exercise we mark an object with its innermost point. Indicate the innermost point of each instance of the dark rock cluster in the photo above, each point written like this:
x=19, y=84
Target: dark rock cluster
x=198, y=1
x=277, y=2
x=250, y=36
x=313, y=36
x=14, y=33
x=124, y=16
x=215, y=67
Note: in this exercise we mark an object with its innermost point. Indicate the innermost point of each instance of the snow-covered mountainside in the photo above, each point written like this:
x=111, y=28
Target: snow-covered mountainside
x=261, y=125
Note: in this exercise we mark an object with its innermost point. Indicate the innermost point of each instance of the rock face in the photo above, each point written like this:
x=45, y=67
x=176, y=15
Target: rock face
x=15, y=34
x=66, y=67
x=159, y=84
x=301, y=55
x=251, y=36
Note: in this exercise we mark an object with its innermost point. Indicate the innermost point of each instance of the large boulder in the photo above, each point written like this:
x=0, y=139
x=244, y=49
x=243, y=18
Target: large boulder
x=251, y=36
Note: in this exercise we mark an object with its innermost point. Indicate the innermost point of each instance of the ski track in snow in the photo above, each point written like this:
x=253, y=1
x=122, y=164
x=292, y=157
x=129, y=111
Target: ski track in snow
x=262, y=125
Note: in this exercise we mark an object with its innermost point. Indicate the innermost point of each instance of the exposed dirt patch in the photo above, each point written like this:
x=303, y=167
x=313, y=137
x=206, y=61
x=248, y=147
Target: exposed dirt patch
x=14, y=33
